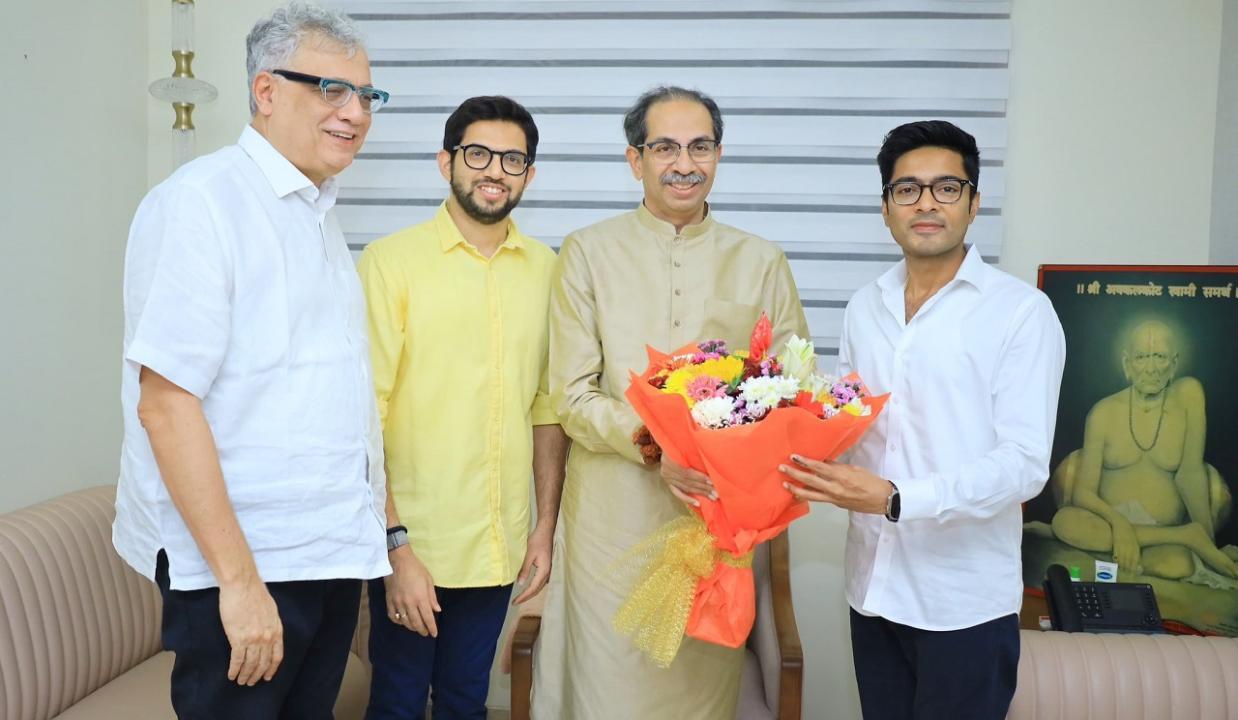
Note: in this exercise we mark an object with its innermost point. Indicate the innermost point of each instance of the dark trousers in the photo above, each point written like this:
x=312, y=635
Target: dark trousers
x=904, y=672
x=319, y=618
x=456, y=664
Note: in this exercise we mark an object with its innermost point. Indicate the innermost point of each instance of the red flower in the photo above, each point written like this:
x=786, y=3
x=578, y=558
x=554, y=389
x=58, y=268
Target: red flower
x=804, y=400
x=762, y=336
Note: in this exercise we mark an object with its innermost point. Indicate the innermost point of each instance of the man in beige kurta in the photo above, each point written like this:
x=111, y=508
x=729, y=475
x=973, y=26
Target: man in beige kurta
x=665, y=274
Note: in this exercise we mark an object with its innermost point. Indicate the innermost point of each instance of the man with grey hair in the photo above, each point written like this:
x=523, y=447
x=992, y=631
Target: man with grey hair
x=683, y=277
x=251, y=483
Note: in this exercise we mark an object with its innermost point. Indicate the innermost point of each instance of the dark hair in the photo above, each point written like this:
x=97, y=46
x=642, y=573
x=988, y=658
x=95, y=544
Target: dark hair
x=928, y=133
x=635, y=127
x=490, y=107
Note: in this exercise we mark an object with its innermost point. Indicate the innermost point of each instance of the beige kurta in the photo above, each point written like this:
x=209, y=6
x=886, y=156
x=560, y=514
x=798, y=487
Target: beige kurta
x=621, y=284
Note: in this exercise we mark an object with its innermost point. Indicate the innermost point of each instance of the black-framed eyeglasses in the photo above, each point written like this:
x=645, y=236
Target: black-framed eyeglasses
x=946, y=191
x=337, y=93
x=478, y=157
x=667, y=151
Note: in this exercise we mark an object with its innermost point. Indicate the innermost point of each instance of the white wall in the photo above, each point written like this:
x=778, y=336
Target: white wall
x=74, y=171
x=1112, y=121
x=1225, y=167
x=221, y=27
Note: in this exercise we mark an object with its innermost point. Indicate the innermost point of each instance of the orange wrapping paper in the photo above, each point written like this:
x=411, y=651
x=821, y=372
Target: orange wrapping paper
x=752, y=505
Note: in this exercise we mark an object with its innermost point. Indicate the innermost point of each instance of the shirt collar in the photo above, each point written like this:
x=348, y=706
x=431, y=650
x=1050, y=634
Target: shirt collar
x=972, y=269
x=449, y=235
x=970, y=272
x=283, y=176
x=662, y=227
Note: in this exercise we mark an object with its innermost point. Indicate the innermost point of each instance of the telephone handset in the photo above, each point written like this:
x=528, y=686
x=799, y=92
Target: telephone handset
x=1100, y=607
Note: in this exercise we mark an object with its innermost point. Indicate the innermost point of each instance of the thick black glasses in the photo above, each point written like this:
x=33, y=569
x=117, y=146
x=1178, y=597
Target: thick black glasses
x=478, y=157
x=337, y=93
x=946, y=191
x=667, y=151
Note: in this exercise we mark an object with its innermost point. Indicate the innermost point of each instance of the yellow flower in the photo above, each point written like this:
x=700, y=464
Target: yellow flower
x=856, y=407
x=725, y=369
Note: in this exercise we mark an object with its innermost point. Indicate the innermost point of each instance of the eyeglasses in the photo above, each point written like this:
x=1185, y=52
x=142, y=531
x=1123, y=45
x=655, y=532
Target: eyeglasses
x=667, y=151
x=478, y=157
x=337, y=93
x=946, y=191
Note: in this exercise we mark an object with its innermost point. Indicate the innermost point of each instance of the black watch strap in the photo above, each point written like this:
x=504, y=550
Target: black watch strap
x=894, y=504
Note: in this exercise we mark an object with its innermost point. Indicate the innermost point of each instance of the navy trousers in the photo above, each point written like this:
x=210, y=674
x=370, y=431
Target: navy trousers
x=456, y=664
x=319, y=618
x=905, y=672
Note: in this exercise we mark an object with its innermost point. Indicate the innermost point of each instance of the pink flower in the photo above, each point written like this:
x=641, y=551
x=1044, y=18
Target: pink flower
x=705, y=387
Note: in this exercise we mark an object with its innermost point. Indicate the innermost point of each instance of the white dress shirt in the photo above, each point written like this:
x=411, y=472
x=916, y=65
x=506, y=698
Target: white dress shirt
x=973, y=382
x=239, y=288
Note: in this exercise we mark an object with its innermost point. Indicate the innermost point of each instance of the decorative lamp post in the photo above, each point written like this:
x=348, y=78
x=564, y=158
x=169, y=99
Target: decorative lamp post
x=183, y=90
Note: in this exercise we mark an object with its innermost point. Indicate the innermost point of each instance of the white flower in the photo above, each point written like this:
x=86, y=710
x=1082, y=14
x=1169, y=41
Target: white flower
x=818, y=385
x=798, y=358
x=767, y=392
x=713, y=412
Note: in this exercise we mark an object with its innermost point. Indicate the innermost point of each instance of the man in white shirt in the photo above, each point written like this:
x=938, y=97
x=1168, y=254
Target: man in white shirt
x=972, y=359
x=251, y=484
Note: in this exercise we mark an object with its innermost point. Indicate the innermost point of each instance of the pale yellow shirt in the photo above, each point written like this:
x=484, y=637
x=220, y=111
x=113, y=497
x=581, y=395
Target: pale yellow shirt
x=459, y=345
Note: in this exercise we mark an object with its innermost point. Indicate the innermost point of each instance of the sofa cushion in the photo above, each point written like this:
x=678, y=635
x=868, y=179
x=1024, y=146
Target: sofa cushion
x=144, y=693
x=77, y=616
x=1086, y=676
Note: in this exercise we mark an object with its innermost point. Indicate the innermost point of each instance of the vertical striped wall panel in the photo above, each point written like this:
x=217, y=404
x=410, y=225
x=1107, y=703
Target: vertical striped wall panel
x=807, y=89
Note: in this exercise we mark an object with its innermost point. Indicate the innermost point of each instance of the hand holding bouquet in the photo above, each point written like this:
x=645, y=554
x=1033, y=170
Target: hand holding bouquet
x=735, y=416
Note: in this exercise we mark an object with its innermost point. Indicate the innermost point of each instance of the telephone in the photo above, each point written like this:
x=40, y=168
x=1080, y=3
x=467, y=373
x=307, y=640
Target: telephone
x=1100, y=607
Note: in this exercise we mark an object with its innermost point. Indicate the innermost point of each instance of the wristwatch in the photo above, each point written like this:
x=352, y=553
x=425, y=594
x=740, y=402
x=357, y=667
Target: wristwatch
x=893, y=505
x=396, y=537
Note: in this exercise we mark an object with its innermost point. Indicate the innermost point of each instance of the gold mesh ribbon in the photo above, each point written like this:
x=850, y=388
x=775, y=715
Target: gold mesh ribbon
x=669, y=565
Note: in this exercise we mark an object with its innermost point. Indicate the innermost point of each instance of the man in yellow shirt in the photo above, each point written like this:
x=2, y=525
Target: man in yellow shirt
x=459, y=341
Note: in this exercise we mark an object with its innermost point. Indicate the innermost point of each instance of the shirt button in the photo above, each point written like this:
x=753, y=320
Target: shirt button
x=676, y=263
x=677, y=292
x=676, y=323
x=893, y=447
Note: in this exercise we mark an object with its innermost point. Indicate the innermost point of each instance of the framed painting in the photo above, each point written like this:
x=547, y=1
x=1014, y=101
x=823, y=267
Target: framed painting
x=1145, y=454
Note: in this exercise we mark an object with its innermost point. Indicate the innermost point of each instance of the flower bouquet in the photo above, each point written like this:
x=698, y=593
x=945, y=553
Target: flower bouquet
x=735, y=416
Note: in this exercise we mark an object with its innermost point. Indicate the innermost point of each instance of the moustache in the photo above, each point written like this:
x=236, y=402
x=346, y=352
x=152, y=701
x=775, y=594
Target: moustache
x=674, y=177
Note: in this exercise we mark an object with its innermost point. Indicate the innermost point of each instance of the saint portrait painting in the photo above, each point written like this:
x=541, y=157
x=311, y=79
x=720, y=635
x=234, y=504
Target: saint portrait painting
x=1145, y=456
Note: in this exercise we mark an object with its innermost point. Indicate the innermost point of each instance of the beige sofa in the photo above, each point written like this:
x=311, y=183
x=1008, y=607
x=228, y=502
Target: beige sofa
x=1085, y=676
x=79, y=639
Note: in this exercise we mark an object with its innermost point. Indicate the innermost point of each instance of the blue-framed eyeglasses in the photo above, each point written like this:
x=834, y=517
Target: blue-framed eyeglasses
x=337, y=93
